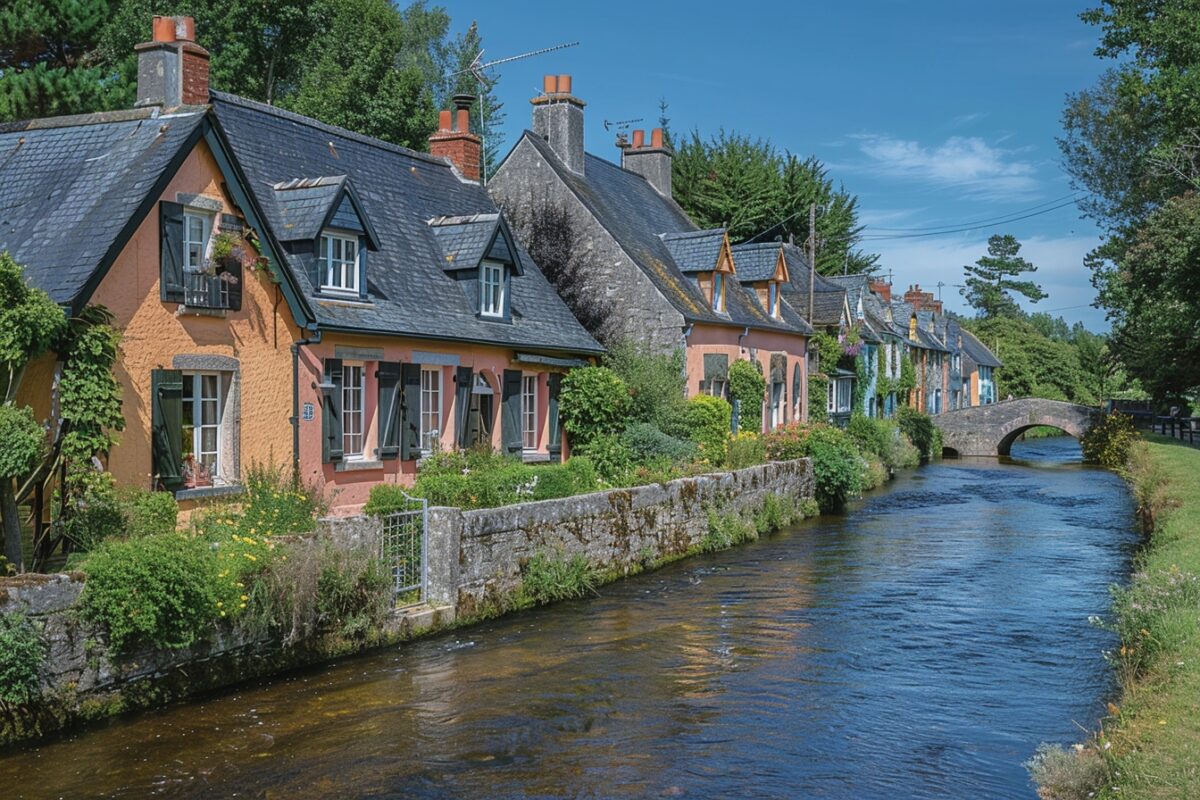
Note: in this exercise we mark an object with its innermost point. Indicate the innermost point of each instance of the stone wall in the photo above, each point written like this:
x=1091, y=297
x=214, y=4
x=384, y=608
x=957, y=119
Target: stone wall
x=476, y=557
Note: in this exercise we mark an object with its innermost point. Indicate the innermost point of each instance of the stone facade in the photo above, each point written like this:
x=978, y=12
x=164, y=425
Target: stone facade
x=990, y=430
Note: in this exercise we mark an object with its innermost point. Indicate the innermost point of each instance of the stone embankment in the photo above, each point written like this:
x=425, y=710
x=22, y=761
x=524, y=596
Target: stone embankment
x=475, y=561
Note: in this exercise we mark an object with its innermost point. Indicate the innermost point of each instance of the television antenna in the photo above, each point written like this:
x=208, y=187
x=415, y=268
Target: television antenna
x=621, y=124
x=478, y=68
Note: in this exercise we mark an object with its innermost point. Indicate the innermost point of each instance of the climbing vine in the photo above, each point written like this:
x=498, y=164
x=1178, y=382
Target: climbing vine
x=747, y=385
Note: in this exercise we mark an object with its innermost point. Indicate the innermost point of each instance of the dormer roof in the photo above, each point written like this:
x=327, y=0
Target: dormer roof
x=700, y=251
x=761, y=261
x=308, y=206
x=468, y=240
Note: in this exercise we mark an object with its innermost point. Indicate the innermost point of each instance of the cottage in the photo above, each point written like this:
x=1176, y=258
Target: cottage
x=648, y=273
x=288, y=291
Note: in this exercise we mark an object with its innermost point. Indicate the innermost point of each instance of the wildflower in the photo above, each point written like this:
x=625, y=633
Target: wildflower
x=245, y=597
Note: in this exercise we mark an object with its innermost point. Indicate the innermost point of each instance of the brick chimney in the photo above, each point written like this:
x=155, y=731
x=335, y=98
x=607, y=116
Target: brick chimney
x=883, y=289
x=652, y=161
x=921, y=301
x=172, y=68
x=454, y=140
x=558, y=118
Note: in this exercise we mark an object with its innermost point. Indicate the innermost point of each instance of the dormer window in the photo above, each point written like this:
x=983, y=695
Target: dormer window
x=338, y=262
x=718, y=292
x=773, y=299
x=491, y=289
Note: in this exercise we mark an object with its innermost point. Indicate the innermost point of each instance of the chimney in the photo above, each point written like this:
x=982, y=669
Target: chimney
x=652, y=162
x=883, y=289
x=454, y=140
x=921, y=301
x=558, y=118
x=172, y=68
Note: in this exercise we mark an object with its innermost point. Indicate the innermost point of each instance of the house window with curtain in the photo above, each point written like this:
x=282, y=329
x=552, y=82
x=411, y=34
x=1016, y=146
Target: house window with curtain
x=339, y=263
x=196, y=228
x=353, y=429
x=529, y=411
x=202, y=408
x=431, y=408
x=718, y=292
x=491, y=289
x=773, y=299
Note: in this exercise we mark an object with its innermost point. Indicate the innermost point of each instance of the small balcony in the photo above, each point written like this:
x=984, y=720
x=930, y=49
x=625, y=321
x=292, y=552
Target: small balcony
x=206, y=290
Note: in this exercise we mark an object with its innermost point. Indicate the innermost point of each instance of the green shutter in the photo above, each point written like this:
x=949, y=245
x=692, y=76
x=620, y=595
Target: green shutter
x=410, y=401
x=166, y=390
x=331, y=412
x=232, y=272
x=170, y=220
x=510, y=412
x=554, y=445
x=390, y=404
x=362, y=267
x=463, y=379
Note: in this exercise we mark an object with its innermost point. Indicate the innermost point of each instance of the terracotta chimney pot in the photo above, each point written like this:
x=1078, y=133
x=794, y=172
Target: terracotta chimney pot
x=656, y=137
x=164, y=29
x=639, y=139
x=444, y=121
x=550, y=84
x=564, y=84
x=185, y=29
x=464, y=120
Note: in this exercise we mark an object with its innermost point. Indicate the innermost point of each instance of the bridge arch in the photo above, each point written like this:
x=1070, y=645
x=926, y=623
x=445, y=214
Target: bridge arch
x=991, y=430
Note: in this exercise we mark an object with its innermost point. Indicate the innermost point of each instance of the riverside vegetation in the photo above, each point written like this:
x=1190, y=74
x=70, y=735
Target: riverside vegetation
x=1146, y=746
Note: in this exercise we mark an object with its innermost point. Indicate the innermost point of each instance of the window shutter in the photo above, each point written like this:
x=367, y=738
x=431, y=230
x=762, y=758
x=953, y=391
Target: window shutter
x=410, y=401
x=233, y=276
x=463, y=380
x=362, y=267
x=554, y=445
x=510, y=412
x=166, y=390
x=389, y=409
x=331, y=413
x=170, y=219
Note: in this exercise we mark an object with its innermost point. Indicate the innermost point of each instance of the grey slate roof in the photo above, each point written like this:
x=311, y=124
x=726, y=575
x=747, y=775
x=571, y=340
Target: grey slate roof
x=71, y=189
x=756, y=260
x=304, y=205
x=410, y=294
x=829, y=299
x=634, y=214
x=466, y=240
x=978, y=351
x=695, y=251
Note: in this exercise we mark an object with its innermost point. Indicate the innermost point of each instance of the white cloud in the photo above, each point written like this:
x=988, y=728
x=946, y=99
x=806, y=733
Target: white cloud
x=1059, y=261
x=967, y=163
x=967, y=119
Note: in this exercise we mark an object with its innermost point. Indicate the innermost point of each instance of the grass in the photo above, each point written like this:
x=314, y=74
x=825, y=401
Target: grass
x=1150, y=744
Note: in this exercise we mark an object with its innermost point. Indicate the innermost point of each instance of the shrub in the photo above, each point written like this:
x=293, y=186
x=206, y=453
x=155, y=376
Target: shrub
x=23, y=440
x=818, y=399
x=549, y=578
x=353, y=593
x=476, y=479
x=774, y=514
x=809, y=508
x=921, y=431
x=882, y=439
x=387, y=498
x=724, y=531
x=744, y=450
x=95, y=515
x=159, y=591
x=748, y=386
x=708, y=420
x=838, y=469
x=593, y=402
x=657, y=384
x=1066, y=774
x=1108, y=441
x=149, y=513
x=273, y=503
x=611, y=457
x=649, y=443
x=583, y=474
x=874, y=472
x=21, y=654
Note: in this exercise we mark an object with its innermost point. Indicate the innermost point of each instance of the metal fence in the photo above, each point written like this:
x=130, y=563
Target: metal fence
x=403, y=550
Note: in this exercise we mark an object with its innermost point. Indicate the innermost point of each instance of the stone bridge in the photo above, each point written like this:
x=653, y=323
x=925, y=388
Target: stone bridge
x=990, y=430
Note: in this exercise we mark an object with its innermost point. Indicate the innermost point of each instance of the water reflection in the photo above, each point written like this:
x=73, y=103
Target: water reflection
x=919, y=647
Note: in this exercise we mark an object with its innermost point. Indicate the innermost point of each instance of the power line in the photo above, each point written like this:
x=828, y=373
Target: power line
x=870, y=238
x=992, y=220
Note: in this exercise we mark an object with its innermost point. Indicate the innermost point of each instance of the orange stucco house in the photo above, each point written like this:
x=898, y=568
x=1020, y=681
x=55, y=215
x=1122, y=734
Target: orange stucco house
x=288, y=292
x=653, y=276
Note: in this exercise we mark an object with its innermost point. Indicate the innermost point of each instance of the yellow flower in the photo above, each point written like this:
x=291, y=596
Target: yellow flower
x=245, y=597
x=220, y=604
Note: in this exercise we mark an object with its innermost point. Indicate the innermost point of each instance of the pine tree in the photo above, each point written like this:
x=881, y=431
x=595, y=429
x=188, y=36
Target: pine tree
x=993, y=278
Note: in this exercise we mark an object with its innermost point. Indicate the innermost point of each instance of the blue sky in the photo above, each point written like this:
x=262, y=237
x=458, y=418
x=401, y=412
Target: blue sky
x=933, y=113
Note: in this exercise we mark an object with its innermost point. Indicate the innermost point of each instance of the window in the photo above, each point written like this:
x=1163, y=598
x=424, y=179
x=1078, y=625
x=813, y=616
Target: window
x=202, y=425
x=717, y=387
x=831, y=397
x=491, y=289
x=776, y=405
x=773, y=299
x=352, y=411
x=844, y=395
x=529, y=411
x=718, y=298
x=431, y=407
x=339, y=260
x=196, y=228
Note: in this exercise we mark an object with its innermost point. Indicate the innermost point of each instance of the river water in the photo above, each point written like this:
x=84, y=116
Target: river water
x=920, y=646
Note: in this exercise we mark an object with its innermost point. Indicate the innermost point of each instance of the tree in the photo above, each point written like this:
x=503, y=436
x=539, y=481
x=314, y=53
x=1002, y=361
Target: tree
x=992, y=279
x=49, y=60
x=30, y=322
x=1033, y=364
x=746, y=186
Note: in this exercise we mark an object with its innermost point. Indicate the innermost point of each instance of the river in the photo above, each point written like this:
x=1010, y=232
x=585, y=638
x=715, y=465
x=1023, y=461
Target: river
x=922, y=645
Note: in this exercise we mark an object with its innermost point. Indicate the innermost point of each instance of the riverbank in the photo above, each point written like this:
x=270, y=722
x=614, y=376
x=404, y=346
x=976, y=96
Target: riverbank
x=1149, y=745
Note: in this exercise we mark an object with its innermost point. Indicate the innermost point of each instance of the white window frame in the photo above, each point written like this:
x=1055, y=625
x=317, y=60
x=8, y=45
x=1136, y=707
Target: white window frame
x=196, y=379
x=199, y=261
x=717, y=387
x=340, y=275
x=431, y=407
x=718, y=288
x=529, y=411
x=354, y=411
x=492, y=289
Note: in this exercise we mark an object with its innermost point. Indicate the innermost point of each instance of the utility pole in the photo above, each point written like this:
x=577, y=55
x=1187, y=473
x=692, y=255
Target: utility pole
x=812, y=256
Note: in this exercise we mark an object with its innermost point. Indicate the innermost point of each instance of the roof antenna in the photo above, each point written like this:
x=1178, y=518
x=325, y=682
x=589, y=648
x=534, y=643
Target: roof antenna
x=479, y=68
x=621, y=125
